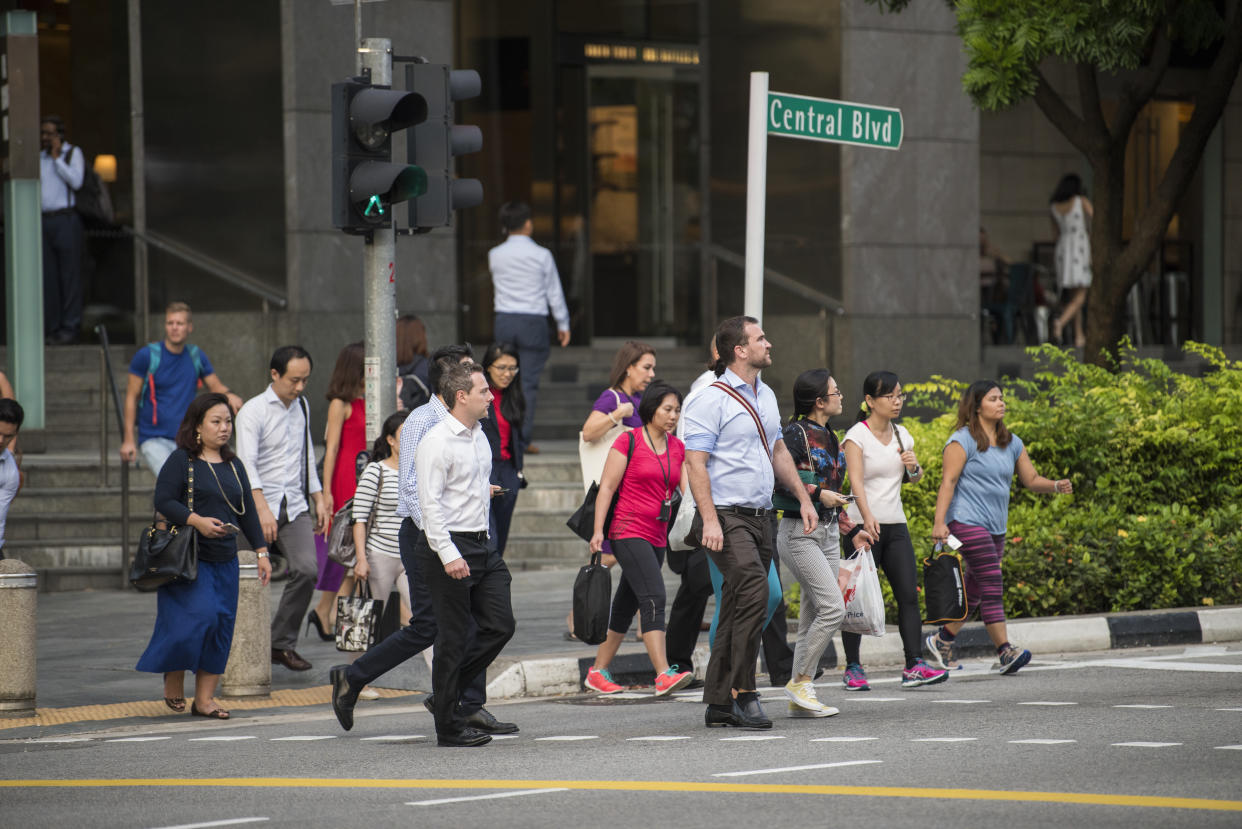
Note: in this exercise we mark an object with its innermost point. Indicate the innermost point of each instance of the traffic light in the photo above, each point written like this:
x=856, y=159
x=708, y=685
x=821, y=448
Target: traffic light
x=437, y=140
x=365, y=182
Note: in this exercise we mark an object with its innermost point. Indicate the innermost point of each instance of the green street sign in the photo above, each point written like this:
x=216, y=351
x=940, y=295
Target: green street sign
x=838, y=122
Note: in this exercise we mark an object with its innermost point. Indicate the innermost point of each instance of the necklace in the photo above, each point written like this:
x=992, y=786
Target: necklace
x=236, y=511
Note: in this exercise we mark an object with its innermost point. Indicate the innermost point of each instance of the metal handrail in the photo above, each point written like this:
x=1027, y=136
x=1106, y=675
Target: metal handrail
x=780, y=280
x=211, y=265
x=107, y=378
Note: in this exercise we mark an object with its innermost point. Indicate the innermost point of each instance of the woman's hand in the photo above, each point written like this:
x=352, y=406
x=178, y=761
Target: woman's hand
x=871, y=526
x=910, y=461
x=265, y=570
x=362, y=568
x=597, y=542
x=1062, y=487
x=207, y=527
x=832, y=499
x=623, y=411
x=940, y=533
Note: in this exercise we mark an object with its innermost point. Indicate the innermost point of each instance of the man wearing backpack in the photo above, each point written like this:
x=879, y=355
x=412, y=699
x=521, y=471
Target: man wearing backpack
x=163, y=378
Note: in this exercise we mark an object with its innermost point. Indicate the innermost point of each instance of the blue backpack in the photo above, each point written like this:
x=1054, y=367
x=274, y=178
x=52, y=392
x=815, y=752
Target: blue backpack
x=148, y=383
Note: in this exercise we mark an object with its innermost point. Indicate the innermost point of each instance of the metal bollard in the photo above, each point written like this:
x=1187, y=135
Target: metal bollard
x=249, y=671
x=18, y=590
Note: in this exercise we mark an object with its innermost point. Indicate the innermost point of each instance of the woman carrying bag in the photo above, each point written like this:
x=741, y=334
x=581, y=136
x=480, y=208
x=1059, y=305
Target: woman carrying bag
x=194, y=620
x=503, y=427
x=973, y=505
x=639, y=533
x=375, y=520
x=880, y=456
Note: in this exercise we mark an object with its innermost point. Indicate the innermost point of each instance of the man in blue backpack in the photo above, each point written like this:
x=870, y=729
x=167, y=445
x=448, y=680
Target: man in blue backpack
x=163, y=378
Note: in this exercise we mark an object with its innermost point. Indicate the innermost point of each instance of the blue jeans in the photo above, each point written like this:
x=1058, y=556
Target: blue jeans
x=155, y=451
x=529, y=332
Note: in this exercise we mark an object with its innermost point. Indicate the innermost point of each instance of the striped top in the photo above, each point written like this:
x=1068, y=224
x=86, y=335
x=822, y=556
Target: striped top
x=383, y=537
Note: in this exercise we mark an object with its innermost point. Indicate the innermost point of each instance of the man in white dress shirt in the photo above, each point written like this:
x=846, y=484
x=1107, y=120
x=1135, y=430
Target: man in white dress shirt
x=61, y=171
x=274, y=442
x=468, y=579
x=527, y=286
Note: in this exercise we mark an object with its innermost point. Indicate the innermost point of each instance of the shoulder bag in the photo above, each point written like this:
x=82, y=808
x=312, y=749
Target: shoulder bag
x=592, y=454
x=168, y=553
x=582, y=522
x=341, y=536
x=944, y=591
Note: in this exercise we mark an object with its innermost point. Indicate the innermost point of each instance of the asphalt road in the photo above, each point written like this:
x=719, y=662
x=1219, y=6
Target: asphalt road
x=1151, y=737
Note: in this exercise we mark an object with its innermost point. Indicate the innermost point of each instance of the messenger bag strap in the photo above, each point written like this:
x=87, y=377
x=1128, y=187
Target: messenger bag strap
x=750, y=410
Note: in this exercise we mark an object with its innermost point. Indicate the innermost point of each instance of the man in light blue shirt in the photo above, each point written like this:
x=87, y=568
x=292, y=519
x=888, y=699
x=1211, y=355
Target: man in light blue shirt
x=11, y=417
x=61, y=171
x=527, y=286
x=734, y=455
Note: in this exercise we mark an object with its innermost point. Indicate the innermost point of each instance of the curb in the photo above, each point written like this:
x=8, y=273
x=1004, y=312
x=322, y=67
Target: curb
x=1064, y=634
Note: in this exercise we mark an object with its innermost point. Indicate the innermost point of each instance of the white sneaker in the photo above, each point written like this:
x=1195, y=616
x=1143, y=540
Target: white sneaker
x=802, y=694
x=368, y=693
x=798, y=712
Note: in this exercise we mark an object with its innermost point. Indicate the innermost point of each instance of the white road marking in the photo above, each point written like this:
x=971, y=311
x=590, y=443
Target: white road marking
x=1194, y=667
x=1230, y=748
x=62, y=740
x=842, y=739
x=569, y=738
x=752, y=738
x=654, y=739
x=136, y=739
x=1042, y=702
x=960, y=701
x=1229, y=709
x=797, y=768
x=944, y=739
x=875, y=699
x=231, y=739
x=1038, y=741
x=233, y=822
x=482, y=797
x=395, y=738
x=628, y=695
x=505, y=737
x=309, y=738
x=1143, y=706
x=1141, y=744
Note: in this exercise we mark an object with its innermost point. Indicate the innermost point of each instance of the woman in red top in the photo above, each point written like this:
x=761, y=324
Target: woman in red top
x=502, y=424
x=345, y=435
x=644, y=468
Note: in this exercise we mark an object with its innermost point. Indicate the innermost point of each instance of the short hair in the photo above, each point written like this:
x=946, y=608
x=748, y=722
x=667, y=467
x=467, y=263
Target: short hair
x=630, y=352
x=346, y=382
x=514, y=215
x=411, y=339
x=12, y=412
x=56, y=121
x=187, y=432
x=653, y=397
x=458, y=377
x=730, y=334
x=179, y=308
x=444, y=356
x=282, y=356
x=876, y=384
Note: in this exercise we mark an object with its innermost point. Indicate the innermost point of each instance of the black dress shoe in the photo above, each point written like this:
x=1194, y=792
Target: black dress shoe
x=751, y=712
x=482, y=720
x=343, y=697
x=719, y=717
x=290, y=659
x=429, y=702
x=465, y=737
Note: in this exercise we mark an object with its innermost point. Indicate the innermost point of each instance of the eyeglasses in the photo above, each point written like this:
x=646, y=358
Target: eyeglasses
x=505, y=369
x=832, y=394
x=896, y=398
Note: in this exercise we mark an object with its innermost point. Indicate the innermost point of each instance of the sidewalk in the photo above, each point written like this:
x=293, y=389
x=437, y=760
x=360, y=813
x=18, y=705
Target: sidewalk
x=88, y=643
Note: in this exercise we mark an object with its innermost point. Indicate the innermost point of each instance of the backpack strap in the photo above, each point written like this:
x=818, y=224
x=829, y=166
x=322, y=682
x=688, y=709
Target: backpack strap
x=148, y=382
x=750, y=410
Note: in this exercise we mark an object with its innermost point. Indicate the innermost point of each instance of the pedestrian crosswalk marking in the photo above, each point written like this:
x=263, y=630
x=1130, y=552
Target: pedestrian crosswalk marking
x=62, y=740
x=1042, y=702
x=212, y=823
x=395, y=738
x=1230, y=748
x=798, y=768
x=960, y=701
x=1145, y=707
x=136, y=739
x=868, y=698
x=1229, y=709
x=443, y=800
x=1038, y=741
x=752, y=738
x=842, y=739
x=229, y=739
x=944, y=739
x=304, y=739
x=568, y=738
x=655, y=739
x=1143, y=744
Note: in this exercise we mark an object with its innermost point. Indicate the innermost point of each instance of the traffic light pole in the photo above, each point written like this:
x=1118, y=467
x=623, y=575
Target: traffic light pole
x=379, y=276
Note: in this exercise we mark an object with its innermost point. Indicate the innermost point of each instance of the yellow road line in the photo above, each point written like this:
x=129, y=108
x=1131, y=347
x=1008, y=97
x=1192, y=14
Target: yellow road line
x=1084, y=798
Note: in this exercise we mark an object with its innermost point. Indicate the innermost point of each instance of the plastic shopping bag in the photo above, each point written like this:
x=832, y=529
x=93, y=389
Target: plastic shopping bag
x=860, y=587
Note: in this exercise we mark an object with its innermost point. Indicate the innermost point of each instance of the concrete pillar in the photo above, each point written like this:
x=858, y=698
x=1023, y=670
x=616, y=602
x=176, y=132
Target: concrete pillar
x=18, y=589
x=249, y=672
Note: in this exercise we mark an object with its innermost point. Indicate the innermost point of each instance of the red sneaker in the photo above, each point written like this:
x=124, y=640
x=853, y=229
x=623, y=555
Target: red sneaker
x=672, y=680
x=601, y=680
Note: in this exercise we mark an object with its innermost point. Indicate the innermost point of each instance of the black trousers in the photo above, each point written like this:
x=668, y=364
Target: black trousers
x=63, y=244
x=418, y=635
x=482, y=599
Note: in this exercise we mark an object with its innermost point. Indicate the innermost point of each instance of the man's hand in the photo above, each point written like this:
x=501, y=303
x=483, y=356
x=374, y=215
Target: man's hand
x=57, y=145
x=235, y=402
x=562, y=337
x=266, y=520
x=713, y=535
x=457, y=569
x=129, y=451
x=323, y=511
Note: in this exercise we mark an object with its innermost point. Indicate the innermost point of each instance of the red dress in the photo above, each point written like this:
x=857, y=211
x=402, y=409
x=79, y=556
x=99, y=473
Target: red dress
x=353, y=441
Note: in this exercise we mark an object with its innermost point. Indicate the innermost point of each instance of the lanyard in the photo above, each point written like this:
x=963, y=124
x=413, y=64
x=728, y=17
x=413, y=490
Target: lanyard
x=668, y=489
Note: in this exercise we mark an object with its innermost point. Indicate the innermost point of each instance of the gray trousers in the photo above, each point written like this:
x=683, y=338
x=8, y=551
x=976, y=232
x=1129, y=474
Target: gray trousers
x=297, y=543
x=814, y=560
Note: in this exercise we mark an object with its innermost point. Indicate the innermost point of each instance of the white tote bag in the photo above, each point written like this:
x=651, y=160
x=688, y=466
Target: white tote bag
x=860, y=587
x=592, y=454
x=681, y=523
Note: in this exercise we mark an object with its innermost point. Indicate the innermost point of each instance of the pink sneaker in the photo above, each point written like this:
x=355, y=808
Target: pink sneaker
x=671, y=680
x=855, y=679
x=922, y=674
x=601, y=680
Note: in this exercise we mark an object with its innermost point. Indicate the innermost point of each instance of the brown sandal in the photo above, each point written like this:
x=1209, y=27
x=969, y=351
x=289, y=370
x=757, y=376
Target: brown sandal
x=175, y=703
x=214, y=714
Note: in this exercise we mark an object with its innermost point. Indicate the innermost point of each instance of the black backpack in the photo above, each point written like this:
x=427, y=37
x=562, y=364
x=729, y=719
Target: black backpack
x=414, y=391
x=92, y=200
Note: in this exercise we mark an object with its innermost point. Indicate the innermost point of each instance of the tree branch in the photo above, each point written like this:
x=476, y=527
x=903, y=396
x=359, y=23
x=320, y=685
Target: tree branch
x=1143, y=84
x=1089, y=98
x=1062, y=117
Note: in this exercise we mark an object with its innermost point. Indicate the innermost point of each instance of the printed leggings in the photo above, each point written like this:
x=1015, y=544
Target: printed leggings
x=982, y=553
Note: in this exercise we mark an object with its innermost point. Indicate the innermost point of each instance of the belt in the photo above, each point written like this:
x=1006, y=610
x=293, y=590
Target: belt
x=750, y=512
x=473, y=535
x=62, y=212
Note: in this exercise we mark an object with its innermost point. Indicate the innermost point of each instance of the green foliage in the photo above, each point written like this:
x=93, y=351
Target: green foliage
x=1156, y=462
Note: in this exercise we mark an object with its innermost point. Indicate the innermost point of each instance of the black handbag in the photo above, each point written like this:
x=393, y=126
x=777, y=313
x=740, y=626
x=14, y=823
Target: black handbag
x=582, y=522
x=168, y=553
x=592, y=601
x=944, y=590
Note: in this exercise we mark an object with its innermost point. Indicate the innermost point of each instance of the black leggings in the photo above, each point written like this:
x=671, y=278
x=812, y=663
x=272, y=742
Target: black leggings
x=894, y=554
x=642, y=585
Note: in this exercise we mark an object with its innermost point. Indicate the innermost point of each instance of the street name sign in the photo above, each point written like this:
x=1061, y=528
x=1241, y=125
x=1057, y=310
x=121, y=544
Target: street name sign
x=838, y=122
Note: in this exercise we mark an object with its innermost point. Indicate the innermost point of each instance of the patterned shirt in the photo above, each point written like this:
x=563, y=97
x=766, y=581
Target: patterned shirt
x=416, y=427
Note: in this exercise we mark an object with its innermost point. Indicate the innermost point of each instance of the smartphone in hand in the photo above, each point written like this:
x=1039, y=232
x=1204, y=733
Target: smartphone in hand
x=231, y=529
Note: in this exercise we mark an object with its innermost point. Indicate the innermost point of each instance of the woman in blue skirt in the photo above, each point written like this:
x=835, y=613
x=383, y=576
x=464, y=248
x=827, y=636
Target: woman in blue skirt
x=194, y=621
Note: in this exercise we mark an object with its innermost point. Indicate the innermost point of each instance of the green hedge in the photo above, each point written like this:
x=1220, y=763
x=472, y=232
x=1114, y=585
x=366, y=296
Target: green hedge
x=1156, y=461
